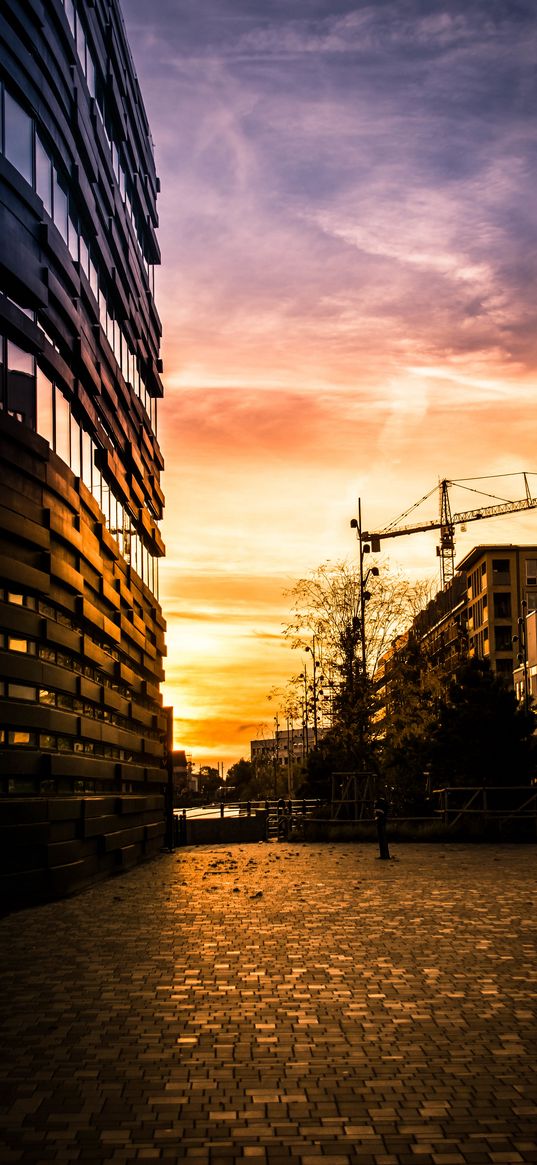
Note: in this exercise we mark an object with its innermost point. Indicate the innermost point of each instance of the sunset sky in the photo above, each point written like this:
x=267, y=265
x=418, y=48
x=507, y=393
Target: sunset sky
x=348, y=225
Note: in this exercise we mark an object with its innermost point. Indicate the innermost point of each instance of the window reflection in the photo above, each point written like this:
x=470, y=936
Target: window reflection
x=18, y=137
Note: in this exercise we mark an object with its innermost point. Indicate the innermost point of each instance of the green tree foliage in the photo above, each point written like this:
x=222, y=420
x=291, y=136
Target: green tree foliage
x=412, y=693
x=257, y=782
x=482, y=736
x=239, y=778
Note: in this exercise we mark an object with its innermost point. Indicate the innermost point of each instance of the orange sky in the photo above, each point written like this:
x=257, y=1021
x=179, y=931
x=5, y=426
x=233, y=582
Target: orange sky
x=347, y=293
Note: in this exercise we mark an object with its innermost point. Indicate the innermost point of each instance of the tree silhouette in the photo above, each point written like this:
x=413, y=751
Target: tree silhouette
x=482, y=736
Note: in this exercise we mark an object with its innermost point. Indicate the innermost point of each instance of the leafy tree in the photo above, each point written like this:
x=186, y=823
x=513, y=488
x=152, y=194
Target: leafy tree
x=411, y=695
x=239, y=777
x=261, y=781
x=327, y=611
x=482, y=736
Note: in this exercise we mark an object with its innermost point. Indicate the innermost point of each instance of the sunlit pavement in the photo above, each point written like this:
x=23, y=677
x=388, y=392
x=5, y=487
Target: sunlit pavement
x=280, y=1003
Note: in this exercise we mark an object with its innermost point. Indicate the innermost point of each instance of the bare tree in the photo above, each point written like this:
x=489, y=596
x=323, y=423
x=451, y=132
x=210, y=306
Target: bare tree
x=326, y=619
x=328, y=605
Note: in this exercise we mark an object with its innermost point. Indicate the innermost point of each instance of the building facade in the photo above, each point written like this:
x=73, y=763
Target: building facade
x=486, y=611
x=81, y=627
x=501, y=587
x=287, y=744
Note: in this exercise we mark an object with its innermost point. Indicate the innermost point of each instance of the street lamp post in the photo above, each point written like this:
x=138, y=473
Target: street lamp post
x=522, y=654
x=315, y=664
x=305, y=741
x=363, y=549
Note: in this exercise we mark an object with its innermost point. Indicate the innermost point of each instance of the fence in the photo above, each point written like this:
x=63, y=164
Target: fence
x=501, y=804
x=504, y=810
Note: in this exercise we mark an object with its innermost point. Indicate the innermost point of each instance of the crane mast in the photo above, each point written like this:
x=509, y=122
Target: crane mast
x=446, y=524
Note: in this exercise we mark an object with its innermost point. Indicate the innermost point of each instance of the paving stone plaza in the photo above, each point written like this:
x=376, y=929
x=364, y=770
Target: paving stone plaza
x=280, y=1003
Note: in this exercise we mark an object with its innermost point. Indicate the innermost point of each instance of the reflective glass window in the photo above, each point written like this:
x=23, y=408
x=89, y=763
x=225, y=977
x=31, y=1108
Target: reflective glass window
x=87, y=459
x=18, y=141
x=90, y=72
x=44, y=423
x=60, y=207
x=43, y=175
x=62, y=426
x=18, y=360
x=21, y=692
x=20, y=384
x=16, y=643
x=73, y=238
x=84, y=256
x=81, y=43
x=93, y=278
x=75, y=446
x=96, y=484
x=70, y=13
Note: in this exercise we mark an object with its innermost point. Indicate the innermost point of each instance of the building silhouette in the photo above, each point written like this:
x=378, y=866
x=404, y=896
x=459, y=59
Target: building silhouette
x=81, y=628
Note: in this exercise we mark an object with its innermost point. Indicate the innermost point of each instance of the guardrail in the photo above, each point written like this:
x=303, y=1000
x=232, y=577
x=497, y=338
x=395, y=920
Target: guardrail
x=282, y=816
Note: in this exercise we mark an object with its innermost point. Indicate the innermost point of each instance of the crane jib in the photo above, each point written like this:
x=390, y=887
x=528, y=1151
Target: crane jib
x=434, y=524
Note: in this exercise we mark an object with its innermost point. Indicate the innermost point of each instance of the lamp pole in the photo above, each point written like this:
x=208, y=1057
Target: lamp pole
x=314, y=690
x=305, y=740
x=363, y=549
x=522, y=655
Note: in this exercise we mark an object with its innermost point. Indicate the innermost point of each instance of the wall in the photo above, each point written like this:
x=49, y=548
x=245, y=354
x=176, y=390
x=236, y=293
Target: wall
x=52, y=847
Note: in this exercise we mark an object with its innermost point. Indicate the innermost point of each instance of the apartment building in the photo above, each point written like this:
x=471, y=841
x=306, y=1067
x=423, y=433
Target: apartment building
x=487, y=610
x=501, y=588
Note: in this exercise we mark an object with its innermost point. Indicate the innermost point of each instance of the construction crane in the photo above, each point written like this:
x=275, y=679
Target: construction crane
x=447, y=521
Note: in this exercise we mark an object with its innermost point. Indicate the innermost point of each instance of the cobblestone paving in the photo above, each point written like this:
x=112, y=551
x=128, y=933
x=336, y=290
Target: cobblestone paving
x=278, y=1003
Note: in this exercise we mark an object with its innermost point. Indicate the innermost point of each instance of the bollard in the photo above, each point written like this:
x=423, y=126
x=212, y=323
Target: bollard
x=381, y=816
x=248, y=808
x=221, y=808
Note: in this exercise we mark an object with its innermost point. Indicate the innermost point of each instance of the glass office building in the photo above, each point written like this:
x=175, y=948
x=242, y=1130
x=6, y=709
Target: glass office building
x=81, y=628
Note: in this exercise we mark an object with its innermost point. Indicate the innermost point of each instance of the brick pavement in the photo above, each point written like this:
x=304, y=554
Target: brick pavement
x=278, y=1003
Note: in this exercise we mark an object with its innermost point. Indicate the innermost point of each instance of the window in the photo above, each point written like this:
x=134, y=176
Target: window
x=47, y=697
x=70, y=14
x=75, y=446
x=60, y=207
x=500, y=570
x=503, y=637
x=531, y=572
x=21, y=600
x=87, y=459
x=15, y=643
x=43, y=175
x=20, y=402
x=502, y=606
x=18, y=140
x=21, y=692
x=531, y=599
x=84, y=256
x=21, y=737
x=44, y=407
x=72, y=238
x=62, y=426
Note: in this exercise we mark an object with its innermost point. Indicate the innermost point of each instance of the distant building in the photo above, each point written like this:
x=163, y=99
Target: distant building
x=181, y=772
x=525, y=673
x=476, y=615
x=293, y=743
